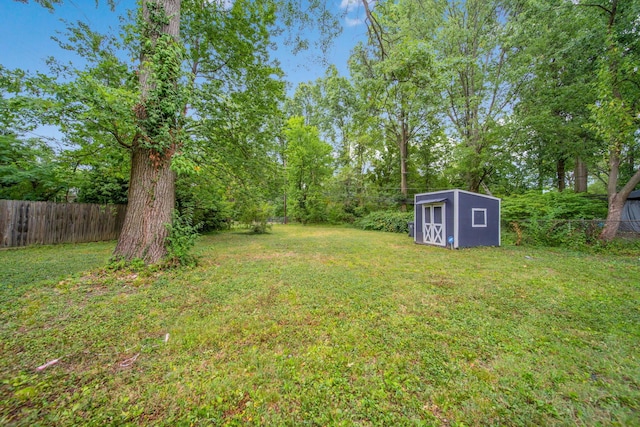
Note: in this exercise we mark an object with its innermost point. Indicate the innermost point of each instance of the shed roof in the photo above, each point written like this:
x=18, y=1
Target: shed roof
x=634, y=195
x=431, y=201
x=450, y=194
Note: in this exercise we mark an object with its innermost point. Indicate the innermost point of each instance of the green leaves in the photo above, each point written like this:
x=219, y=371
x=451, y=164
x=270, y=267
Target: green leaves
x=308, y=161
x=161, y=111
x=181, y=239
x=29, y=171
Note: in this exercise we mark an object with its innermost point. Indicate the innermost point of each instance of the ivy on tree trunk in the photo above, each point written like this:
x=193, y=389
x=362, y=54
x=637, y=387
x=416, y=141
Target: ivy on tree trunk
x=152, y=184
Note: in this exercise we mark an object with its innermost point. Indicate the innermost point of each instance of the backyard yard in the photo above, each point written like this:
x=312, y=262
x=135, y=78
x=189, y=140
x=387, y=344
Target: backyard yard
x=320, y=326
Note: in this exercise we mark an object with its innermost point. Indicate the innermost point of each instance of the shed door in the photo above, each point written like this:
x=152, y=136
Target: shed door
x=434, y=227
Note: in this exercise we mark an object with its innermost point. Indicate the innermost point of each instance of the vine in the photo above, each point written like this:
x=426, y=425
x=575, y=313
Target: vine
x=159, y=113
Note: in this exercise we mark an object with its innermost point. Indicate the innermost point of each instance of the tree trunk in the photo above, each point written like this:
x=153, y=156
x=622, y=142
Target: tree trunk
x=617, y=199
x=561, y=174
x=284, y=187
x=614, y=214
x=151, y=202
x=403, y=145
x=616, y=204
x=152, y=183
x=580, y=175
x=473, y=183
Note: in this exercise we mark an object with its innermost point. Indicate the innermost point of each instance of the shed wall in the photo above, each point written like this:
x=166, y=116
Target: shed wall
x=471, y=219
x=470, y=235
x=448, y=213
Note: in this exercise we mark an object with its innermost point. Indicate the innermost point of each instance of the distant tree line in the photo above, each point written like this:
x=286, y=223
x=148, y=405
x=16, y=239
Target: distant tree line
x=497, y=96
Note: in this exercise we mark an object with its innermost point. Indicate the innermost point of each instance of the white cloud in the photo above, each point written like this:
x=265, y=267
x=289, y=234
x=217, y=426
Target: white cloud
x=353, y=22
x=349, y=5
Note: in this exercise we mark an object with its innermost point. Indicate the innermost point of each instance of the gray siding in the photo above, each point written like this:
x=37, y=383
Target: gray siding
x=471, y=219
x=448, y=212
x=470, y=235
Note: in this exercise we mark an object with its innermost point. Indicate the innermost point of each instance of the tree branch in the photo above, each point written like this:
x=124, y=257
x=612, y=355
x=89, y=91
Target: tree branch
x=374, y=29
x=595, y=5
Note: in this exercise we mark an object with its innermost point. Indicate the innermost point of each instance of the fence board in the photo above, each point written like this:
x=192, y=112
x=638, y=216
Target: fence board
x=25, y=223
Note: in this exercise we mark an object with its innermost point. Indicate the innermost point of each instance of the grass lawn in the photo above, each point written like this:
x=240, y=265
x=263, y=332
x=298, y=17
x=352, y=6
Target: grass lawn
x=321, y=326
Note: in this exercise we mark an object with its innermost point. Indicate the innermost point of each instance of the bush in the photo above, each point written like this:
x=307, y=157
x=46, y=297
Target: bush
x=552, y=205
x=554, y=219
x=255, y=216
x=337, y=214
x=391, y=221
x=181, y=239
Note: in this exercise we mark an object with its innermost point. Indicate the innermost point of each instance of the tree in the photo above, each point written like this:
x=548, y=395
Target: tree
x=334, y=106
x=474, y=57
x=197, y=59
x=587, y=89
x=308, y=166
x=397, y=70
x=617, y=110
x=159, y=136
x=102, y=179
x=547, y=129
x=29, y=168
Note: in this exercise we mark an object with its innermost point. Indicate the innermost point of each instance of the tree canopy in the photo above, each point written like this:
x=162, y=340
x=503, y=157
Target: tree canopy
x=187, y=109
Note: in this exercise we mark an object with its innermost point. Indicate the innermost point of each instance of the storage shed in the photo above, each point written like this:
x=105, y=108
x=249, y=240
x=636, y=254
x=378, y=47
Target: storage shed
x=456, y=218
x=631, y=213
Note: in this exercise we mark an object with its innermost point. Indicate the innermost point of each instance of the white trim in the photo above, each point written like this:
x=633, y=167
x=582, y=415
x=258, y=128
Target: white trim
x=456, y=190
x=473, y=217
x=434, y=233
x=479, y=194
x=415, y=222
x=499, y=222
x=456, y=218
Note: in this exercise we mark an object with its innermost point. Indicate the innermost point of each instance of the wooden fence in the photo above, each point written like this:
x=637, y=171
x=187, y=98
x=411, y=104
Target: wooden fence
x=25, y=223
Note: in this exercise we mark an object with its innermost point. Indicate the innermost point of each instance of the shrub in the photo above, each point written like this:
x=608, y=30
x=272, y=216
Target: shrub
x=255, y=216
x=391, y=221
x=337, y=215
x=552, y=205
x=554, y=219
x=181, y=239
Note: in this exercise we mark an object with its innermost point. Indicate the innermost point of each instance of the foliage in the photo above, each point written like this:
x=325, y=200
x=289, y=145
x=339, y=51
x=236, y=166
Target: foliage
x=320, y=325
x=204, y=195
x=50, y=4
x=547, y=133
x=104, y=180
x=103, y=189
x=208, y=95
x=128, y=266
x=391, y=221
x=160, y=113
x=255, y=216
x=445, y=93
x=181, y=239
x=308, y=166
x=552, y=205
x=394, y=73
x=473, y=81
x=29, y=170
x=554, y=218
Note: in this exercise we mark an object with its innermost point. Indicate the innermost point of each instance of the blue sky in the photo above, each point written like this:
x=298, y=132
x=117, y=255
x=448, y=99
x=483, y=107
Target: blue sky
x=26, y=30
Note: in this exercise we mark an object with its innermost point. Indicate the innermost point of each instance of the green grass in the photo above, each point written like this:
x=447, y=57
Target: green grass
x=321, y=326
x=23, y=268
